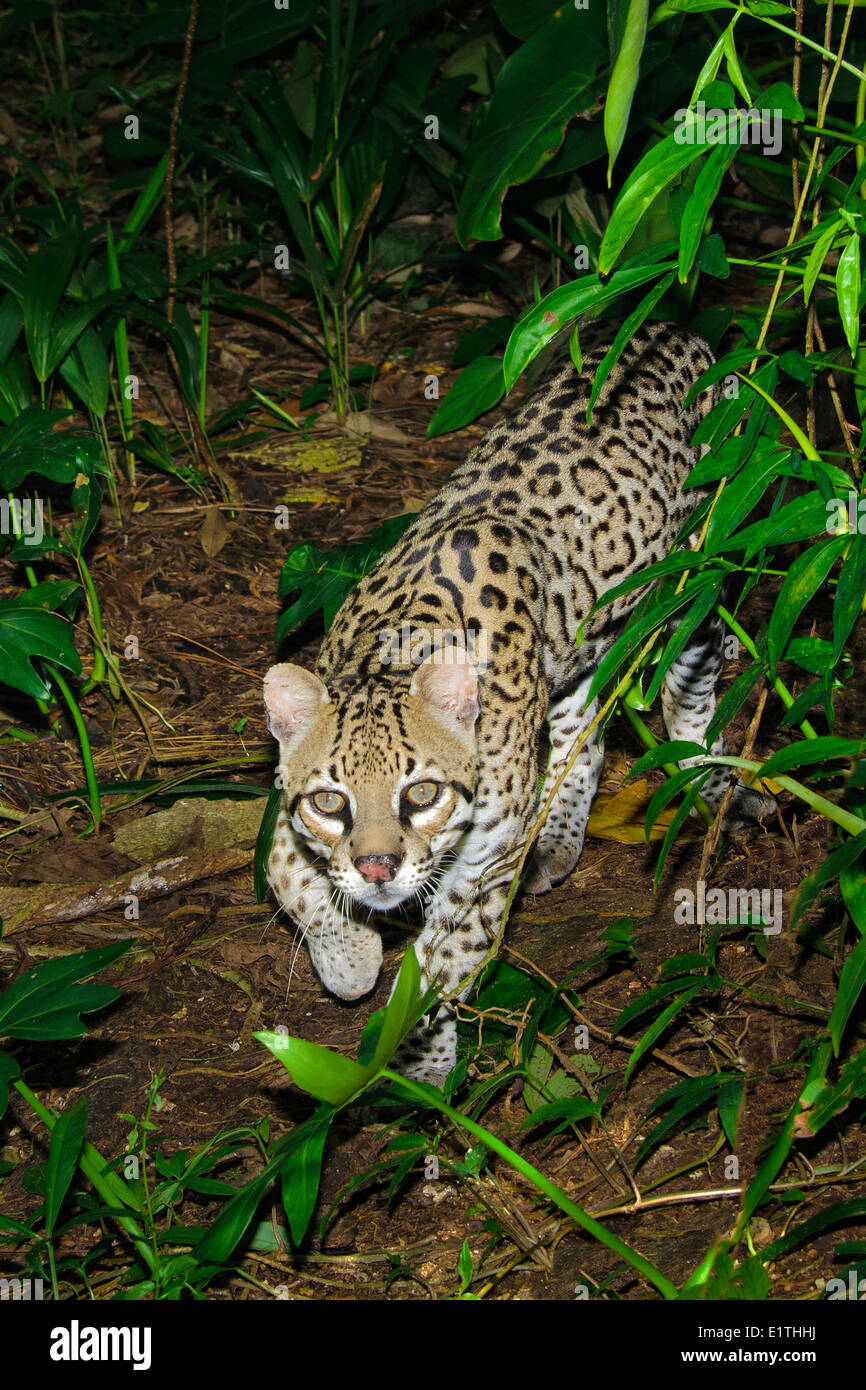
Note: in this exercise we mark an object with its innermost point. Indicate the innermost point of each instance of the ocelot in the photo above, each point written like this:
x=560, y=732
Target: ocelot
x=409, y=759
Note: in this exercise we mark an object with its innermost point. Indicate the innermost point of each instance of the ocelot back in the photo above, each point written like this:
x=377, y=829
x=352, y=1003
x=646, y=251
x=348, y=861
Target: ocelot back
x=410, y=765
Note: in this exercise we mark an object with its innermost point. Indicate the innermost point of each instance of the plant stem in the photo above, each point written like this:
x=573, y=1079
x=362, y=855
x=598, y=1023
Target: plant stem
x=84, y=741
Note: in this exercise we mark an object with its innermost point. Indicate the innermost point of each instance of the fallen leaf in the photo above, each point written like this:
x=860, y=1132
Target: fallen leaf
x=214, y=533
x=621, y=816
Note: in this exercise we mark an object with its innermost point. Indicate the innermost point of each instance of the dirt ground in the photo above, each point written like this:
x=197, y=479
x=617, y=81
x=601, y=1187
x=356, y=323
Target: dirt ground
x=198, y=590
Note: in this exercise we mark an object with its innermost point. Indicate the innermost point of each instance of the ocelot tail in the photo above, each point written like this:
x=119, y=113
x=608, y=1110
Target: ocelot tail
x=409, y=759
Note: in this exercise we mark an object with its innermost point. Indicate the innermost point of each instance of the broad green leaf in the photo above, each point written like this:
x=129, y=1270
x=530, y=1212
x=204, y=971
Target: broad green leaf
x=671, y=752
x=550, y=78
x=322, y=1073
x=799, y=520
x=300, y=1174
x=536, y=329
x=27, y=633
x=811, y=751
x=67, y=1139
x=624, y=79
x=46, y=1001
x=478, y=388
x=264, y=840
x=658, y=168
x=336, y=1079
x=233, y=1220
x=45, y=280
x=684, y=1099
x=739, y=498
x=688, y=779
x=86, y=371
x=685, y=628
x=804, y=578
x=522, y=17
x=732, y=701
x=568, y=1110
x=848, y=1213
x=848, y=290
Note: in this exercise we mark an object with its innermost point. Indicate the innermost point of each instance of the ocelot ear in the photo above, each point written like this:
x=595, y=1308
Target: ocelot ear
x=293, y=699
x=448, y=682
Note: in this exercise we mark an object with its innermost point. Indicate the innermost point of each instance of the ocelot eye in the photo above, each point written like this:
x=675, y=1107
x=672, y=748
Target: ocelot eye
x=328, y=803
x=422, y=794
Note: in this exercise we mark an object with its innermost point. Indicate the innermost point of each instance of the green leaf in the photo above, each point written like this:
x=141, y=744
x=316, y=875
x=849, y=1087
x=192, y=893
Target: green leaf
x=300, y=1174
x=45, y=1003
x=625, y=335
x=336, y=1079
x=640, y=627
x=733, y=700
x=849, y=852
x=552, y=76
x=658, y=168
x=86, y=371
x=799, y=520
x=624, y=79
x=810, y=751
x=264, y=840
x=805, y=576
x=67, y=1139
x=701, y=200
x=45, y=280
x=818, y=255
x=851, y=983
x=685, y=627
x=326, y=577
x=658, y=1026
x=478, y=388
x=850, y=592
x=9, y=1071
x=848, y=290
x=542, y=323
x=730, y=1101
x=685, y=1099
x=26, y=633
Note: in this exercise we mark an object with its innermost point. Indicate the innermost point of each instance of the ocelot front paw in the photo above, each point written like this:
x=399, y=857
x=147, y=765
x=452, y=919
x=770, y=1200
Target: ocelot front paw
x=429, y=1052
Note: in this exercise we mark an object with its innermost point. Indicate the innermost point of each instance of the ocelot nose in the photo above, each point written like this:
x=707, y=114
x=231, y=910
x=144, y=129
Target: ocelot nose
x=378, y=868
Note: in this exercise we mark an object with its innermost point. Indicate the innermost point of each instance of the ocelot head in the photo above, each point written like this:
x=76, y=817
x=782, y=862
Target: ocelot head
x=379, y=775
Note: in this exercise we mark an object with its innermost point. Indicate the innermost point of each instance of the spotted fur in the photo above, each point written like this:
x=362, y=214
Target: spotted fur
x=544, y=516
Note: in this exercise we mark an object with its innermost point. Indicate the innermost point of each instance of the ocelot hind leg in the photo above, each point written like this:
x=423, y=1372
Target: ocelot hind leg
x=688, y=706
